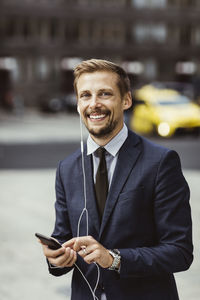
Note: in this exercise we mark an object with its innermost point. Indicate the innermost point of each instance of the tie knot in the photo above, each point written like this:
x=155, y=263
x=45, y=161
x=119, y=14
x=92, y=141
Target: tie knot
x=101, y=152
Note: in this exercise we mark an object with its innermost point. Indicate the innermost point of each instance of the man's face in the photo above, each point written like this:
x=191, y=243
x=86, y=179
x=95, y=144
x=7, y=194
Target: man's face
x=100, y=103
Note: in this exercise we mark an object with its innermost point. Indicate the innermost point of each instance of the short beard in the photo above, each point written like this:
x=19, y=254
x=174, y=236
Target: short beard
x=104, y=132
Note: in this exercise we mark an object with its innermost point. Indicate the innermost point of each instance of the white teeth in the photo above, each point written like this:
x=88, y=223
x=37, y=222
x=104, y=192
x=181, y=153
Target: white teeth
x=97, y=117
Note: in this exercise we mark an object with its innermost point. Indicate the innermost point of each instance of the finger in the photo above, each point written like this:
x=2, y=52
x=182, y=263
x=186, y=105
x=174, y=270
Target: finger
x=89, y=249
x=91, y=258
x=83, y=241
x=71, y=262
x=52, y=253
x=60, y=260
x=69, y=243
x=70, y=254
x=74, y=258
x=83, y=252
x=67, y=260
x=71, y=259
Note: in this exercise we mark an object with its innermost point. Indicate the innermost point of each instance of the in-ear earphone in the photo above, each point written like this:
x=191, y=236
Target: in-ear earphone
x=78, y=109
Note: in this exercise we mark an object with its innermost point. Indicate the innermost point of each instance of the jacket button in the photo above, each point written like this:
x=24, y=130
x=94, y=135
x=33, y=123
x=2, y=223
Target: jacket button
x=101, y=286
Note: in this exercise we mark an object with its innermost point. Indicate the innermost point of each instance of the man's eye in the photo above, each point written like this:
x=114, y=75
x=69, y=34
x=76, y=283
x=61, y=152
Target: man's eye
x=85, y=95
x=105, y=94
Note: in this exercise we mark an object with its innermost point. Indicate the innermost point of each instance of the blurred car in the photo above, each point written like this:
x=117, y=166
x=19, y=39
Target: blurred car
x=184, y=88
x=164, y=112
x=58, y=103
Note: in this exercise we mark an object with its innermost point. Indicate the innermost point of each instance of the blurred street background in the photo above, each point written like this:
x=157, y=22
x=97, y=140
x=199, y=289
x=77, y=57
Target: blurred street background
x=157, y=42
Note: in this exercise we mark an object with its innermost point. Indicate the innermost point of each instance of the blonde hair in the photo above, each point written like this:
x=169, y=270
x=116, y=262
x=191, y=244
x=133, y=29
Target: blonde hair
x=94, y=65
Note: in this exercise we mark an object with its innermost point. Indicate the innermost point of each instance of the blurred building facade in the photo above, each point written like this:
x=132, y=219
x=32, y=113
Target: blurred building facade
x=42, y=40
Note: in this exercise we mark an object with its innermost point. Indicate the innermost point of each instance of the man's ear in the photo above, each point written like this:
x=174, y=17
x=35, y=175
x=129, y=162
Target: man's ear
x=127, y=101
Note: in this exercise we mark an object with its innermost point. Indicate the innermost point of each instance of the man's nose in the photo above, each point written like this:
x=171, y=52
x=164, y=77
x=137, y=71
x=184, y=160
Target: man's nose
x=94, y=102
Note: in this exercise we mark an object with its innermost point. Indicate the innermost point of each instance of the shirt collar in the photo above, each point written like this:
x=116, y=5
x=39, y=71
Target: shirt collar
x=113, y=146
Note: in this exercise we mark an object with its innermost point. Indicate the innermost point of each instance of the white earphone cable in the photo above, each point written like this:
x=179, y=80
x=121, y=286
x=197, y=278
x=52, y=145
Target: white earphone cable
x=84, y=186
x=92, y=291
x=85, y=211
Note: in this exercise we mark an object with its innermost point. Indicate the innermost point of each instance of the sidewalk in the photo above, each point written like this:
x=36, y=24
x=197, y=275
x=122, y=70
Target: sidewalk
x=35, y=126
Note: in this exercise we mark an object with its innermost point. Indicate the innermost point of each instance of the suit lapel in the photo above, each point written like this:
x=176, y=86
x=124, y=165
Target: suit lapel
x=128, y=156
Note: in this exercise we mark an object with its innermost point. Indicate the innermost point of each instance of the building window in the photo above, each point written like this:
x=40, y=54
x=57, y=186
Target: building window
x=44, y=30
x=151, y=32
x=133, y=67
x=113, y=33
x=185, y=35
x=99, y=3
x=11, y=28
x=151, y=69
x=115, y=3
x=53, y=29
x=183, y=3
x=26, y=29
x=71, y=31
x=101, y=33
x=149, y=4
x=3, y=27
x=43, y=69
x=84, y=32
x=186, y=67
x=173, y=32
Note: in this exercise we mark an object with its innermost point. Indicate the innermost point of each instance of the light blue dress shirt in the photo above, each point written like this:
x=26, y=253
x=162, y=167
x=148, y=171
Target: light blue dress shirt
x=112, y=151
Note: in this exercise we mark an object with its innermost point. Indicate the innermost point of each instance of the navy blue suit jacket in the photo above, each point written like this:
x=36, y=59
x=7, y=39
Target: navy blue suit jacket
x=147, y=217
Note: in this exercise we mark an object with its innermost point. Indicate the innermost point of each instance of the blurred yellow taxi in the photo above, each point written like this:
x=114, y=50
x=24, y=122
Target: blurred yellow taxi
x=164, y=112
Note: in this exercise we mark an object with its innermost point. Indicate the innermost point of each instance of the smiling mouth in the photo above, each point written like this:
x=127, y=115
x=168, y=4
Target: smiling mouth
x=97, y=117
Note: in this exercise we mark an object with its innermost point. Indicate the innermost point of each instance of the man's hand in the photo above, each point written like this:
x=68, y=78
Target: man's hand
x=90, y=250
x=63, y=257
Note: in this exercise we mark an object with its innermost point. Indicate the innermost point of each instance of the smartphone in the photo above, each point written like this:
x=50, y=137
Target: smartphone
x=49, y=241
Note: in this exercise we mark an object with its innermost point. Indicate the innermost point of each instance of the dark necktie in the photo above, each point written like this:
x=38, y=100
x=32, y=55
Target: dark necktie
x=101, y=185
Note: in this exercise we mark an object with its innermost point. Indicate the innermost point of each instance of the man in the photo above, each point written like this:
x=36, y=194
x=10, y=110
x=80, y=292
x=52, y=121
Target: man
x=141, y=234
